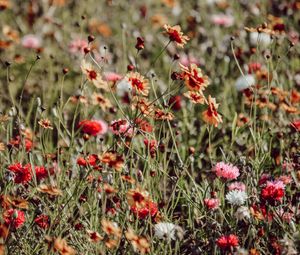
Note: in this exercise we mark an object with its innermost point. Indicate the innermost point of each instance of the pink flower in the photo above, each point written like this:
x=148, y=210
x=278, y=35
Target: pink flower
x=77, y=46
x=188, y=60
x=31, y=41
x=113, y=77
x=212, y=203
x=121, y=127
x=227, y=171
x=237, y=186
x=222, y=20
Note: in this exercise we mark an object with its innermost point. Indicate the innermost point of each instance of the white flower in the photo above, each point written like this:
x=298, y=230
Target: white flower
x=236, y=197
x=244, y=82
x=123, y=86
x=242, y=213
x=260, y=39
x=165, y=230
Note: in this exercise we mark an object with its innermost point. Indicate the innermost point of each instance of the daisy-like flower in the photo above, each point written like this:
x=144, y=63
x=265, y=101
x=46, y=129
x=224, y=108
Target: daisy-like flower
x=113, y=160
x=139, y=243
x=111, y=228
x=94, y=236
x=93, y=76
x=22, y=173
x=195, y=97
x=169, y=231
x=138, y=83
x=236, y=197
x=143, y=105
x=45, y=123
x=162, y=115
x=227, y=171
x=77, y=46
x=211, y=115
x=42, y=221
x=60, y=245
x=194, y=78
x=175, y=35
x=137, y=197
x=101, y=101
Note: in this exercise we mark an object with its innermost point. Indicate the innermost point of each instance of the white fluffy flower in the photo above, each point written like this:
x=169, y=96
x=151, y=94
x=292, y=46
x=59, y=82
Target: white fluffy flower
x=236, y=197
x=123, y=86
x=165, y=230
x=244, y=82
x=242, y=213
x=260, y=39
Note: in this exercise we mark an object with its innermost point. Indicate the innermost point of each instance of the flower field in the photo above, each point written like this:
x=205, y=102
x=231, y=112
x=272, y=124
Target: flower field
x=149, y=127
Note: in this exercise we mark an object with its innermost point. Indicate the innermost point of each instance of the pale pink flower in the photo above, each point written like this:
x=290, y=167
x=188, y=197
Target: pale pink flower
x=237, y=186
x=222, y=20
x=31, y=41
x=212, y=203
x=286, y=179
x=77, y=46
x=187, y=60
x=112, y=77
x=227, y=171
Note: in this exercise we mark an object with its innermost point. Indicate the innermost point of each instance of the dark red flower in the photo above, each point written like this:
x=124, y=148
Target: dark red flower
x=140, y=43
x=14, y=218
x=296, y=125
x=42, y=221
x=228, y=242
x=40, y=172
x=175, y=103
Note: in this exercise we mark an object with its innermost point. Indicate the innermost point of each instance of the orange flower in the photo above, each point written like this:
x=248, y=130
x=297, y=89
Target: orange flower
x=128, y=178
x=295, y=97
x=139, y=243
x=3, y=232
x=137, y=197
x=101, y=101
x=143, y=105
x=111, y=228
x=193, y=77
x=113, y=160
x=161, y=115
x=175, y=35
x=93, y=76
x=111, y=243
x=45, y=123
x=138, y=82
x=60, y=245
x=109, y=190
x=211, y=115
x=195, y=97
x=94, y=236
x=50, y=190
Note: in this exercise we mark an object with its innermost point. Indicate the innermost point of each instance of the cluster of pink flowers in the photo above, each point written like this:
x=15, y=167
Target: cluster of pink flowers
x=226, y=171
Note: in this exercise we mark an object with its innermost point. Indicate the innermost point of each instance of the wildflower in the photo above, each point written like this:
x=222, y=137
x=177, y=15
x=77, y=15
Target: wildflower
x=31, y=42
x=3, y=232
x=228, y=242
x=222, y=20
x=112, y=77
x=137, y=197
x=227, y=171
x=2, y=147
x=109, y=190
x=169, y=231
x=273, y=191
x=143, y=125
x=212, y=203
x=211, y=115
x=93, y=127
x=93, y=76
x=111, y=228
x=60, y=245
x=149, y=209
x=175, y=103
x=45, y=123
x=140, y=43
x=89, y=160
x=77, y=46
x=236, y=197
x=17, y=141
x=162, y=115
x=237, y=186
x=22, y=173
x=296, y=125
x=175, y=35
x=113, y=160
x=51, y=190
x=242, y=213
x=121, y=127
x=123, y=87
x=194, y=78
x=138, y=83
x=14, y=218
x=261, y=39
x=195, y=97
x=139, y=243
x=42, y=221
x=128, y=178
x=94, y=236
x=152, y=146
x=244, y=82
x=40, y=172
x=142, y=105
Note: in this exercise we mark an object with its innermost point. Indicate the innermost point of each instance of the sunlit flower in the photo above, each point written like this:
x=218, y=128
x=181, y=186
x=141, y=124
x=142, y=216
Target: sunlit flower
x=138, y=83
x=244, y=82
x=165, y=230
x=175, y=35
x=162, y=115
x=111, y=228
x=137, y=197
x=121, y=127
x=273, y=191
x=139, y=243
x=236, y=197
x=22, y=173
x=113, y=160
x=195, y=97
x=100, y=100
x=60, y=245
x=149, y=209
x=227, y=171
x=194, y=79
x=94, y=236
x=45, y=123
x=50, y=190
x=211, y=116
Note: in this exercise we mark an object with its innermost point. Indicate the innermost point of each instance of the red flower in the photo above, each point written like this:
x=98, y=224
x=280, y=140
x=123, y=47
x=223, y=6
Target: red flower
x=14, y=218
x=93, y=127
x=40, y=172
x=140, y=43
x=296, y=125
x=17, y=142
x=175, y=103
x=144, y=125
x=274, y=191
x=228, y=242
x=152, y=145
x=90, y=160
x=150, y=209
x=42, y=221
x=22, y=173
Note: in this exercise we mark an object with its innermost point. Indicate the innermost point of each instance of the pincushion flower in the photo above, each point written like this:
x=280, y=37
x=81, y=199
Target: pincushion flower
x=211, y=116
x=22, y=173
x=93, y=127
x=211, y=203
x=273, y=191
x=93, y=76
x=169, y=231
x=228, y=242
x=236, y=197
x=245, y=82
x=237, y=186
x=175, y=35
x=227, y=171
x=138, y=83
x=14, y=218
x=193, y=77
